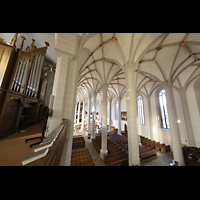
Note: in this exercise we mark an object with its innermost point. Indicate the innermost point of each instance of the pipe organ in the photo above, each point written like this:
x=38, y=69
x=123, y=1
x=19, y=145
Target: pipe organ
x=20, y=85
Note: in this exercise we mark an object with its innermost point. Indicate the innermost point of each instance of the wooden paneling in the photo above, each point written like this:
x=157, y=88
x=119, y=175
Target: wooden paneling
x=8, y=120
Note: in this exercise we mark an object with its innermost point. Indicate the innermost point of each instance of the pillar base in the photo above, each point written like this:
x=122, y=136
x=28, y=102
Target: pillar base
x=102, y=153
x=87, y=132
x=92, y=138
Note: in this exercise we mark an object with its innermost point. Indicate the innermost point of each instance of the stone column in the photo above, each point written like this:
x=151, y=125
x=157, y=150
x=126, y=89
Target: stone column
x=110, y=108
x=174, y=129
x=100, y=111
x=93, y=116
x=64, y=89
x=133, y=141
x=119, y=116
x=83, y=116
x=150, y=117
x=75, y=113
x=89, y=110
x=58, y=92
x=79, y=107
x=187, y=119
x=114, y=112
x=104, y=150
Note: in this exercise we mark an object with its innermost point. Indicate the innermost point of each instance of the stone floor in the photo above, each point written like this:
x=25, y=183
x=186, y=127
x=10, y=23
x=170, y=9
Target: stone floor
x=163, y=159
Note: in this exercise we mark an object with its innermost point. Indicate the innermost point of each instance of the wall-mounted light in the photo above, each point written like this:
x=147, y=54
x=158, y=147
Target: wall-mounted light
x=178, y=121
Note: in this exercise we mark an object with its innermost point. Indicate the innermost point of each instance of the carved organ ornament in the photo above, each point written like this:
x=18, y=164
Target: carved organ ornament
x=21, y=80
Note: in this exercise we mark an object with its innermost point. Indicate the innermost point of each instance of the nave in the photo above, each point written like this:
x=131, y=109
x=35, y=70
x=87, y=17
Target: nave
x=148, y=81
x=163, y=159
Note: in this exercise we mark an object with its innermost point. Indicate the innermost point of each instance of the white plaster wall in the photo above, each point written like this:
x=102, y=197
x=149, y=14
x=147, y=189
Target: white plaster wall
x=145, y=129
x=163, y=135
x=159, y=134
x=123, y=109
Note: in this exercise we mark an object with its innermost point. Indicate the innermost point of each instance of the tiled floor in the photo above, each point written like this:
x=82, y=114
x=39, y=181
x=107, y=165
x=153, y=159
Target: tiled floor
x=163, y=159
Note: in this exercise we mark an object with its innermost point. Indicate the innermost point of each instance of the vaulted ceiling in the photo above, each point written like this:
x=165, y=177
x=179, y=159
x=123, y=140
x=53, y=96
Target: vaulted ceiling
x=104, y=57
x=175, y=57
x=158, y=57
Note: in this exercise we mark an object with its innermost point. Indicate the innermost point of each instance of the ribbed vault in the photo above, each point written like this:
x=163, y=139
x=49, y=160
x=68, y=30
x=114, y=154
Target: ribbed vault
x=158, y=57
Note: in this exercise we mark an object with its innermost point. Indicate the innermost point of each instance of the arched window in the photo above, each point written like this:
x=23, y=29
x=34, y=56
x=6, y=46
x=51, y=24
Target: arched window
x=140, y=109
x=163, y=109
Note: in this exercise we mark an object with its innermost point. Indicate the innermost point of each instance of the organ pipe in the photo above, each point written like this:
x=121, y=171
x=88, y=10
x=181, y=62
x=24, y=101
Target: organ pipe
x=28, y=70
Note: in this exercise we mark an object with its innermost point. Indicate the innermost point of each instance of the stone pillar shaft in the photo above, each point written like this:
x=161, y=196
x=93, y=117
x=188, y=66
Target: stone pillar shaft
x=174, y=129
x=104, y=150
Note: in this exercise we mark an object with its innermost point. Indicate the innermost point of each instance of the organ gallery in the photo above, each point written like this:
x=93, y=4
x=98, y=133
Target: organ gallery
x=21, y=81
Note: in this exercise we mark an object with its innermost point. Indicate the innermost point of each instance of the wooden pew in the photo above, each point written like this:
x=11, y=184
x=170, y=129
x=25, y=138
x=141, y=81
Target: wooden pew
x=113, y=154
x=78, y=142
x=116, y=158
x=191, y=156
x=82, y=162
x=147, y=156
x=165, y=149
x=143, y=146
x=144, y=150
x=122, y=162
x=81, y=158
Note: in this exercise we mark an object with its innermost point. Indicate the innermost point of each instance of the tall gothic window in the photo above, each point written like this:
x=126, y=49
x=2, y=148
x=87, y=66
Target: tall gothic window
x=163, y=109
x=140, y=109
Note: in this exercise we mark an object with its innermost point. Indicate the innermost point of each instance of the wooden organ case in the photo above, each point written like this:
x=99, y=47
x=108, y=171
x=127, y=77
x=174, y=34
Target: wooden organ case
x=20, y=85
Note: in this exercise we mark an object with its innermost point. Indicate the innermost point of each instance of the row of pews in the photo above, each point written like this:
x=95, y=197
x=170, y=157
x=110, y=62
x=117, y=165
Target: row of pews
x=191, y=156
x=116, y=155
x=117, y=146
x=155, y=145
x=145, y=151
x=78, y=142
x=81, y=158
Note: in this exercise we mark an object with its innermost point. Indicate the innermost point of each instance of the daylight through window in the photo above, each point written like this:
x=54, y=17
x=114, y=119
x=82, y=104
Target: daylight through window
x=140, y=109
x=163, y=109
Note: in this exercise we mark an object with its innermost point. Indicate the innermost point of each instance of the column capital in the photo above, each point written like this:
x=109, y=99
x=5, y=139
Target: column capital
x=66, y=43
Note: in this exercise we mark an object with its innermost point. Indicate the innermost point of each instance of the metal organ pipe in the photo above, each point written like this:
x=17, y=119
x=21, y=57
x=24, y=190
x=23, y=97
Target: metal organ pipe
x=28, y=71
x=39, y=75
x=15, y=78
x=21, y=76
x=24, y=76
x=36, y=75
x=33, y=69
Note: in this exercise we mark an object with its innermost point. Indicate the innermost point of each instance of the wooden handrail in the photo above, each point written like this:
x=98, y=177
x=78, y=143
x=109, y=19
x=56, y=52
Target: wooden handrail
x=54, y=155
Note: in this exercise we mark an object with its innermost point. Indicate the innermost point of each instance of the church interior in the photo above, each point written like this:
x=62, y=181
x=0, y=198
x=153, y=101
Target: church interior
x=99, y=99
